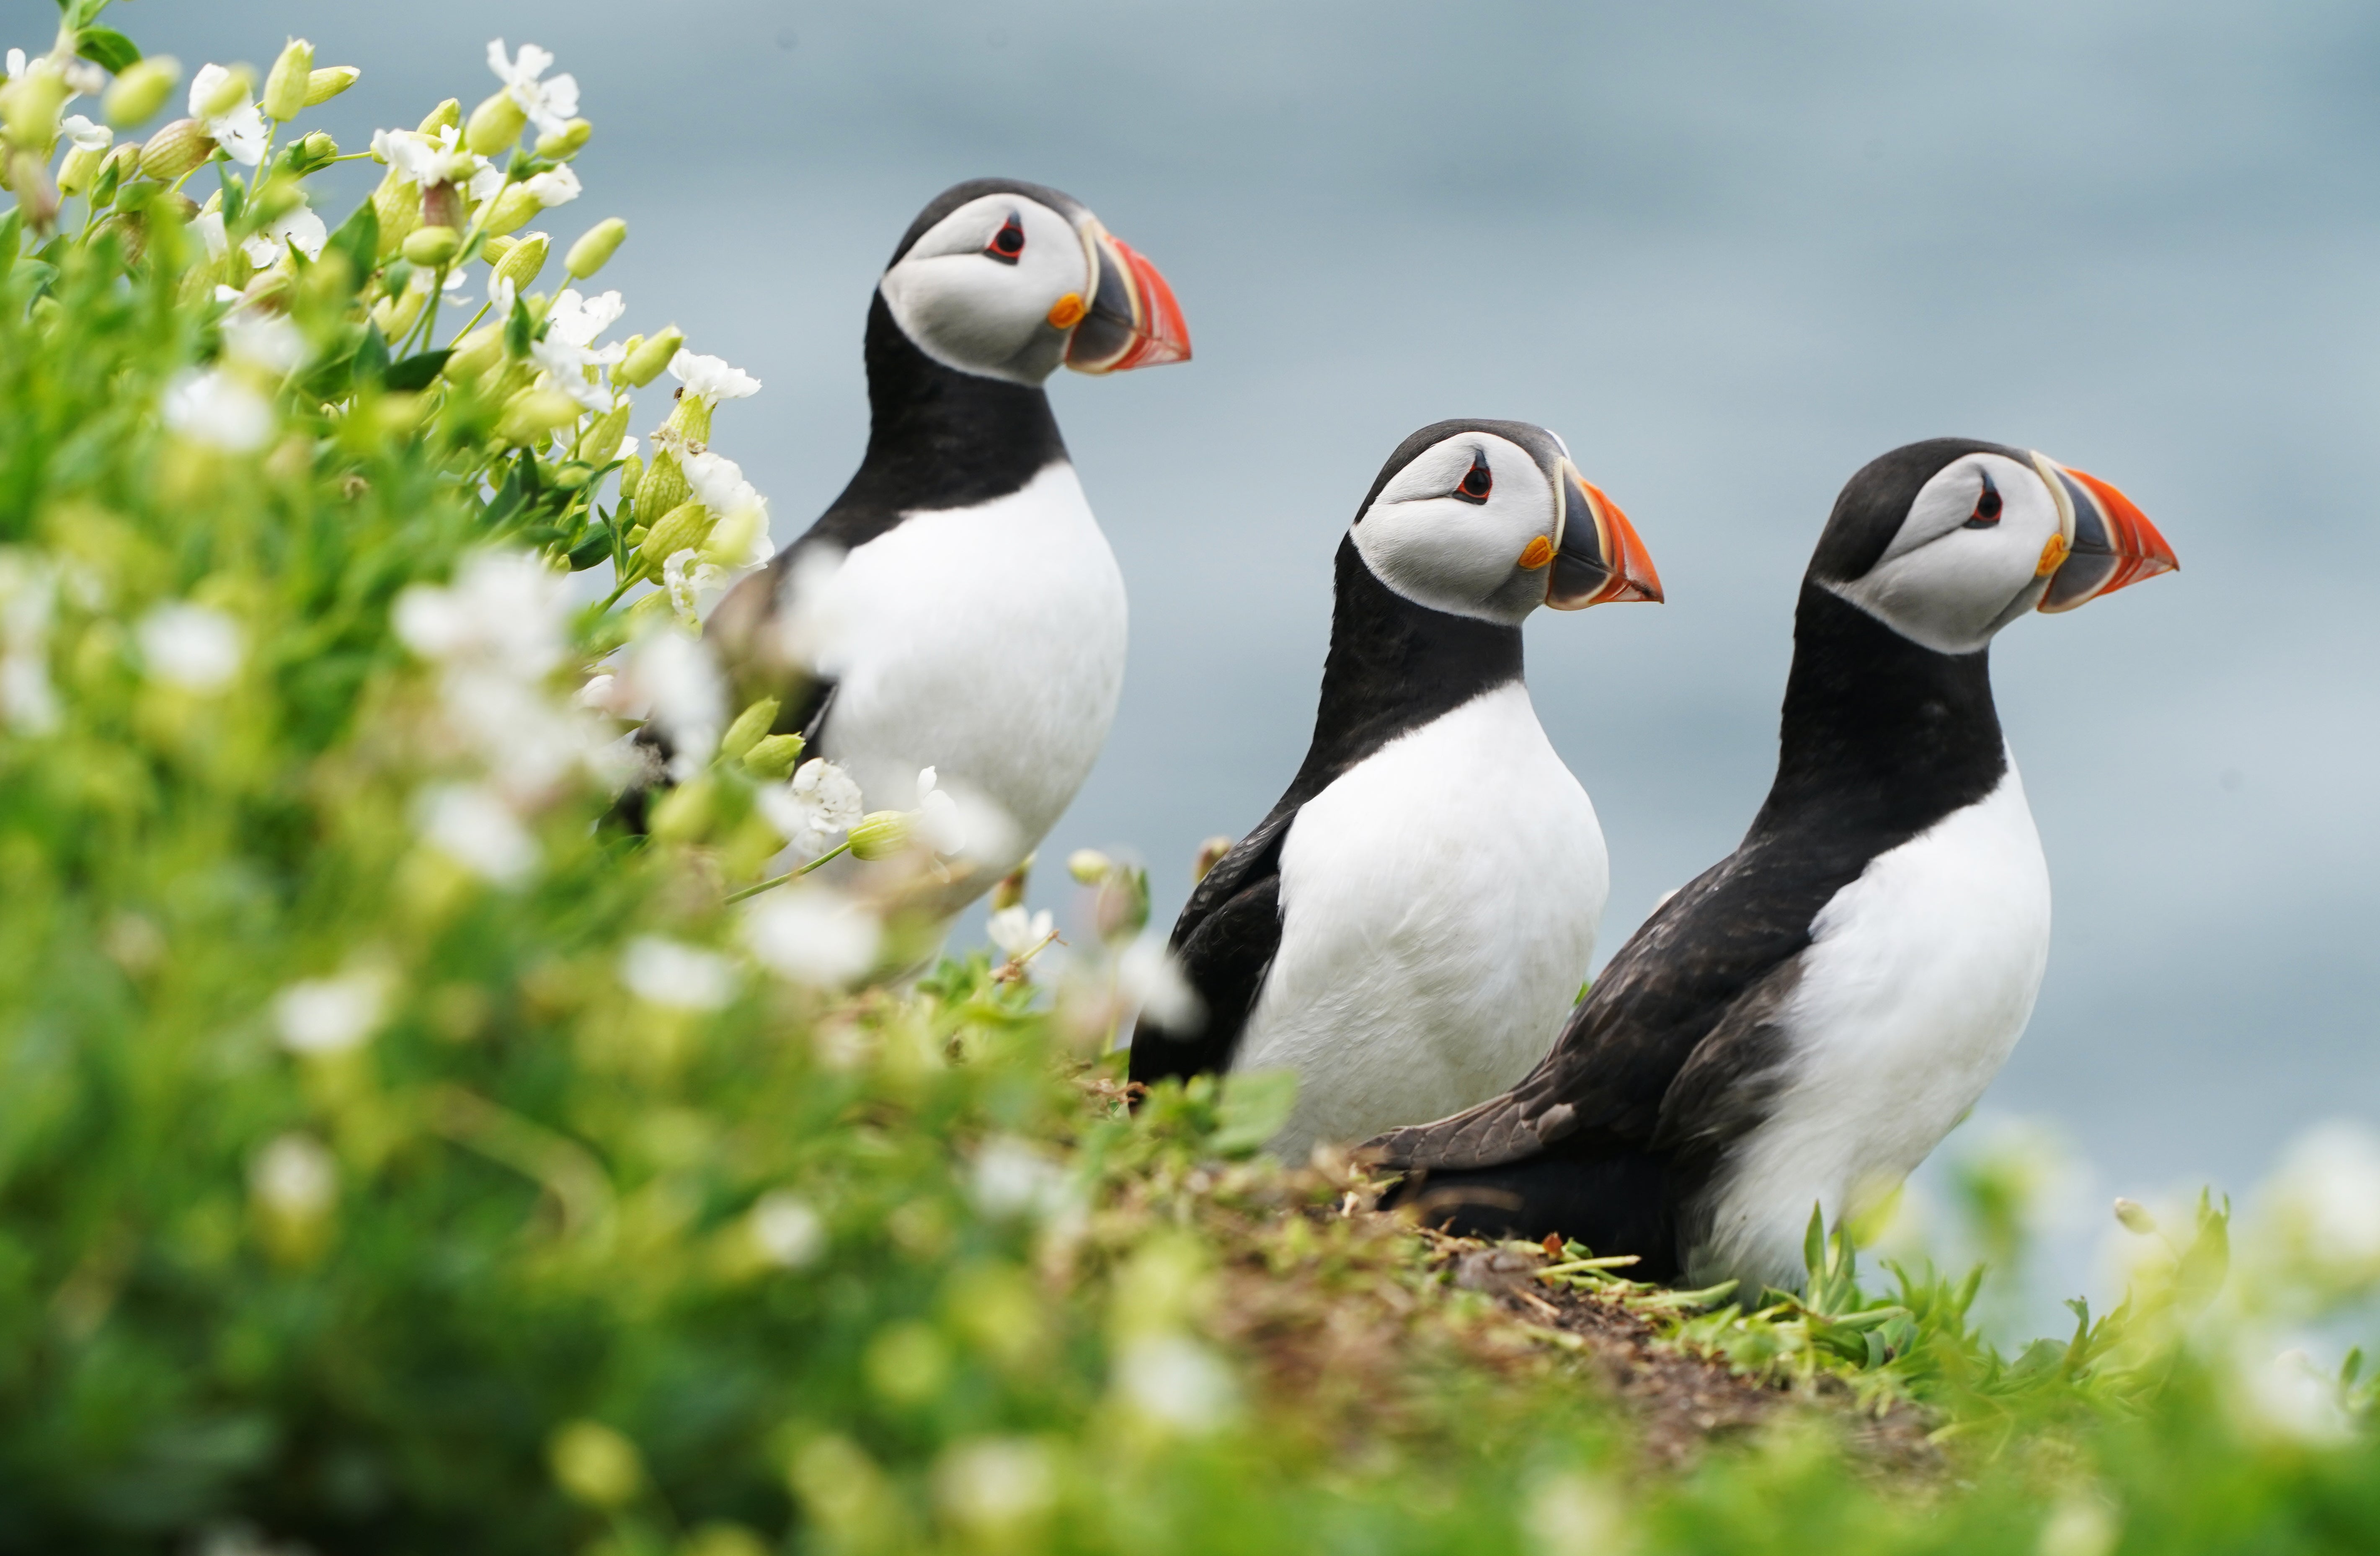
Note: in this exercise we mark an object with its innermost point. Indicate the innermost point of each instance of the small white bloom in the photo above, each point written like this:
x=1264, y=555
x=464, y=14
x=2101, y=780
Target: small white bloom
x=15, y=63
x=811, y=934
x=578, y=319
x=1018, y=929
x=208, y=225
x=568, y=349
x=266, y=340
x=28, y=593
x=1149, y=975
x=298, y=228
x=83, y=78
x=1013, y=1178
x=239, y=129
x=554, y=187
x=330, y=1015
x=596, y=695
x=473, y=827
x=718, y=484
x=214, y=406
x=2325, y=1200
x=996, y=1486
x=788, y=1233
x=431, y=159
x=1175, y=1381
x=959, y=822
x=675, y=974
x=548, y=104
x=505, y=609
x=818, y=805
x=679, y=680
x=86, y=136
x=709, y=378
x=294, y=1176
x=2289, y=1397
x=193, y=647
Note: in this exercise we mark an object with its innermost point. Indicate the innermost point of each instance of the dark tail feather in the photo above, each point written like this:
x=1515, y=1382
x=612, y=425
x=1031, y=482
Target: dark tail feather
x=1615, y=1204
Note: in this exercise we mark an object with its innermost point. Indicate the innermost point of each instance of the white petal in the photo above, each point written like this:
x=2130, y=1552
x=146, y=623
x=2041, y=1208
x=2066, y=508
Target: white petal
x=471, y=825
x=811, y=934
x=680, y=976
x=193, y=647
x=215, y=407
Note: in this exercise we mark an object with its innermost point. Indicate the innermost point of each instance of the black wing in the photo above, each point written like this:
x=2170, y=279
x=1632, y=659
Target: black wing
x=1676, y=1049
x=1225, y=941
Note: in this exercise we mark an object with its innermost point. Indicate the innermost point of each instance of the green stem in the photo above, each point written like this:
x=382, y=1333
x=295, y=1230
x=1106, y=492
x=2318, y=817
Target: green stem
x=834, y=853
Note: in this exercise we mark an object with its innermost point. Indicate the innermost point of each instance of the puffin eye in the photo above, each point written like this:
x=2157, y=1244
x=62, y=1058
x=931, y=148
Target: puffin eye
x=1477, y=481
x=1008, y=242
x=1987, y=506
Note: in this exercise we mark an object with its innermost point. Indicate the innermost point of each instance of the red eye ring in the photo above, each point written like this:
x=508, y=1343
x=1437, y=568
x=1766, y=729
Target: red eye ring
x=1987, y=506
x=1007, y=243
x=1478, y=481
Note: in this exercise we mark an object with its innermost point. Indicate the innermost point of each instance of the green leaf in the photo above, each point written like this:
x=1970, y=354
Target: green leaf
x=107, y=48
x=235, y=193
x=595, y=548
x=417, y=371
x=1813, y=1243
x=358, y=239
x=1256, y=1103
x=519, y=329
x=371, y=356
x=12, y=236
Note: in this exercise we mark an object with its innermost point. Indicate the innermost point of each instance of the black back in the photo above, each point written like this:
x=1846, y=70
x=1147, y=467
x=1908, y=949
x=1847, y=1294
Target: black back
x=1674, y=1054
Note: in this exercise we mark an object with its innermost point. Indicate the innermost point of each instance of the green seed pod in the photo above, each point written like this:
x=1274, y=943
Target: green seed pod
x=323, y=85
x=140, y=91
x=595, y=247
x=29, y=108
x=431, y=246
x=750, y=726
x=447, y=113
x=562, y=146
x=681, y=528
x=881, y=835
x=397, y=204
x=664, y=486
x=81, y=170
x=603, y=437
x=475, y=354
x=513, y=210
x=630, y=474
x=495, y=124
x=1088, y=866
x=531, y=415
x=286, y=84
x=644, y=363
x=523, y=261
x=174, y=150
x=685, y=814
x=395, y=314
x=773, y=755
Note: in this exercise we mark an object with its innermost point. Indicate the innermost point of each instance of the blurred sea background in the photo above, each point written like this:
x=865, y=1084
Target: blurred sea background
x=1730, y=253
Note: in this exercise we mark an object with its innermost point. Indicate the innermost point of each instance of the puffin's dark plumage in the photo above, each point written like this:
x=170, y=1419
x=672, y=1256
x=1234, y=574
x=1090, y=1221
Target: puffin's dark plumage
x=1699, y=1057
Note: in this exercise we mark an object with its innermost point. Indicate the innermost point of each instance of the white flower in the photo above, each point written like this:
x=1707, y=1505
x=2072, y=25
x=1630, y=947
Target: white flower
x=294, y=1176
x=2288, y=1397
x=238, y=129
x=214, y=406
x=679, y=680
x=711, y=379
x=578, y=319
x=471, y=826
x=208, y=225
x=266, y=340
x=568, y=349
x=995, y=1488
x=86, y=136
x=1175, y=1381
x=961, y=823
x=299, y=228
x=1011, y=1178
x=430, y=160
x=83, y=78
x=548, y=104
x=1149, y=975
x=718, y=484
x=15, y=63
x=2326, y=1197
x=787, y=1231
x=1018, y=929
x=555, y=187
x=28, y=591
x=189, y=646
x=330, y=1015
x=811, y=934
x=675, y=974
x=505, y=609
x=819, y=804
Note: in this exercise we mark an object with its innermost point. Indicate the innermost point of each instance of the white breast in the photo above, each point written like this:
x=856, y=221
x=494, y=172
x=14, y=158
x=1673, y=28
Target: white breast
x=1920, y=978
x=986, y=643
x=1438, y=909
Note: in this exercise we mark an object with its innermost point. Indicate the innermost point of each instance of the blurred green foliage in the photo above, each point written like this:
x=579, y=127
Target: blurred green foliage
x=392, y=1158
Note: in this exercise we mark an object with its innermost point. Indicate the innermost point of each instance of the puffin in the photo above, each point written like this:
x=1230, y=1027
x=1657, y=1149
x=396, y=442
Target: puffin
x=1799, y=1025
x=1407, y=927
x=957, y=607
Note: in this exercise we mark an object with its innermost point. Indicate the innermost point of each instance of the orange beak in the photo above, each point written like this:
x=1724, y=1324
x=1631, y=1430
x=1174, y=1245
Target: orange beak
x=2108, y=541
x=1598, y=556
x=1131, y=320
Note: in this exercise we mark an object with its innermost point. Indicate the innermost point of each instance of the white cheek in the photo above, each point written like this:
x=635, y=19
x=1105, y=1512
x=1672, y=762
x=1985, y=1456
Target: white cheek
x=973, y=313
x=1948, y=595
x=1446, y=554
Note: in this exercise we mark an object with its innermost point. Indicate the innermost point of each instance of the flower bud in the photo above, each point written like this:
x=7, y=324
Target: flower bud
x=442, y=206
x=142, y=90
x=174, y=150
x=1120, y=909
x=881, y=835
x=36, y=196
x=397, y=203
x=631, y=474
x=523, y=261
x=446, y=114
x=595, y=247
x=750, y=726
x=495, y=124
x=664, y=486
x=2136, y=1218
x=323, y=85
x=475, y=354
x=602, y=439
x=28, y=108
x=773, y=755
x=644, y=363
x=1210, y=854
x=1088, y=866
x=229, y=94
x=680, y=530
x=565, y=145
x=531, y=414
x=512, y=211
x=395, y=314
x=1010, y=893
x=314, y=150
x=431, y=246
x=81, y=170
x=286, y=84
